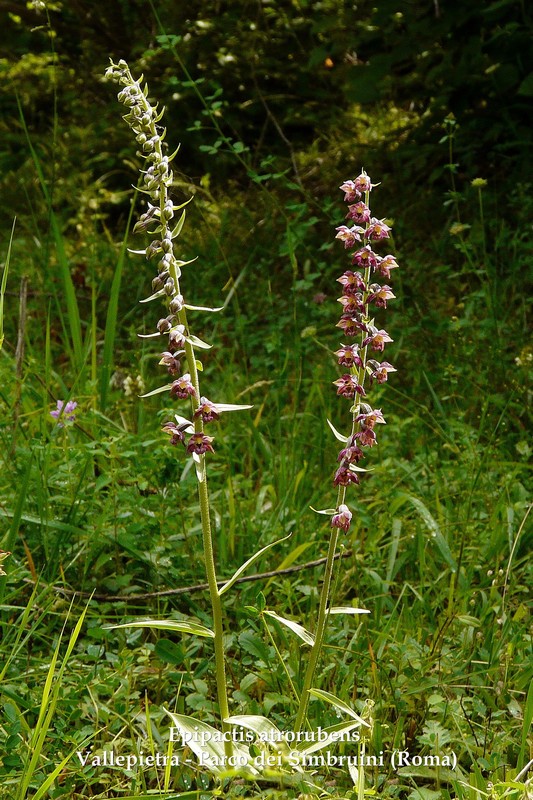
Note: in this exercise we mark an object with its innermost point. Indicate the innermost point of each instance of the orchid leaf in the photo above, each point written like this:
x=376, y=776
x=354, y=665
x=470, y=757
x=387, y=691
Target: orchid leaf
x=339, y=704
x=249, y=563
x=336, y=433
x=177, y=229
x=154, y=296
x=262, y=726
x=203, y=308
x=223, y=407
x=196, y=342
x=174, y=625
x=295, y=627
x=332, y=737
x=207, y=744
x=157, y=391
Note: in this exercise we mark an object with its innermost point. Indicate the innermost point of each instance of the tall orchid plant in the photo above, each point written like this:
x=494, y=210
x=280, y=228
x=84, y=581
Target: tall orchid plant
x=361, y=296
x=163, y=221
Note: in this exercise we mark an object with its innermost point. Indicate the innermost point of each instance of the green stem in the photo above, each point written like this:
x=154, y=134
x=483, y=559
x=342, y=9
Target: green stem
x=328, y=570
x=320, y=630
x=216, y=605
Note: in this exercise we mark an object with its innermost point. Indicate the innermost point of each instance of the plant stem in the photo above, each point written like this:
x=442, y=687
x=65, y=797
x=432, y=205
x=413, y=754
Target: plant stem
x=216, y=605
x=319, y=633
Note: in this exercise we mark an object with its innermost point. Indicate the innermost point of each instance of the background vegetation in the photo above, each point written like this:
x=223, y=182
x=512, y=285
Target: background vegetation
x=275, y=104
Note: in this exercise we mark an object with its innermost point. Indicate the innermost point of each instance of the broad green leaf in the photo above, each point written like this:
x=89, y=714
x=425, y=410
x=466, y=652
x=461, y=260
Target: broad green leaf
x=295, y=627
x=249, y=563
x=339, y=704
x=178, y=626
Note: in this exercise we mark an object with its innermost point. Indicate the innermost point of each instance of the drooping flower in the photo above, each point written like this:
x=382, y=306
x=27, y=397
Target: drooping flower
x=385, y=264
x=377, y=340
x=207, y=410
x=348, y=386
x=365, y=257
x=64, y=412
x=183, y=388
x=359, y=213
x=379, y=295
x=371, y=418
x=351, y=325
x=342, y=518
x=380, y=371
x=344, y=476
x=349, y=235
x=352, y=304
x=348, y=356
x=199, y=443
x=177, y=432
x=170, y=361
x=378, y=229
x=352, y=282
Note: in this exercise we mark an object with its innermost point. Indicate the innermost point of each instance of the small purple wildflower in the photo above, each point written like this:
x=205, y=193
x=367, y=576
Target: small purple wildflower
x=64, y=412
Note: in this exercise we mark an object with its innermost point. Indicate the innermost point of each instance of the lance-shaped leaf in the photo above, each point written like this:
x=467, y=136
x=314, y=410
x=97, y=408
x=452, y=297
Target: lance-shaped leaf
x=262, y=726
x=174, y=625
x=249, y=563
x=207, y=744
x=223, y=407
x=196, y=342
x=347, y=610
x=161, y=389
x=332, y=737
x=154, y=296
x=184, y=263
x=336, y=433
x=177, y=229
x=203, y=308
x=295, y=627
x=339, y=704
x=327, y=511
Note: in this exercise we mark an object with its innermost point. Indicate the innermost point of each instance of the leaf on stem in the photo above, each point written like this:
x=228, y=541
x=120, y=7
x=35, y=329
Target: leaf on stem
x=161, y=389
x=295, y=627
x=336, y=433
x=250, y=561
x=177, y=626
x=339, y=704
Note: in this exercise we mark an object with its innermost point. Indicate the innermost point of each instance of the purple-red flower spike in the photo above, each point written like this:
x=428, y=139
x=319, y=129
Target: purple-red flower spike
x=361, y=298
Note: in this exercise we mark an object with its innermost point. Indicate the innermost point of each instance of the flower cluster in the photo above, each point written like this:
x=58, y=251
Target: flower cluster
x=159, y=221
x=361, y=295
